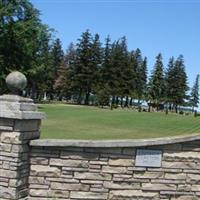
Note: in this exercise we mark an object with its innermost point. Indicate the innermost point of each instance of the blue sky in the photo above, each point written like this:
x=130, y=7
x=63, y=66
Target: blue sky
x=170, y=27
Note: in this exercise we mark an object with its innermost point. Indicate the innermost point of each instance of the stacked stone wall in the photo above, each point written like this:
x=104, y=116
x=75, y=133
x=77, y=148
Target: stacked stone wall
x=110, y=173
x=14, y=156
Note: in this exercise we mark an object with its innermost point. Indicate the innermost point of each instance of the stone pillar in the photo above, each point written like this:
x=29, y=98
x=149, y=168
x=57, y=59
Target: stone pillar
x=19, y=123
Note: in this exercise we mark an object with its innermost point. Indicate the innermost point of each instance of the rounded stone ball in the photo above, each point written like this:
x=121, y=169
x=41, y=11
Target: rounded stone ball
x=16, y=82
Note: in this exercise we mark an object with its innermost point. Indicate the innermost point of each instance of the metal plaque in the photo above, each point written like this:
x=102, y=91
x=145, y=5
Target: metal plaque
x=148, y=158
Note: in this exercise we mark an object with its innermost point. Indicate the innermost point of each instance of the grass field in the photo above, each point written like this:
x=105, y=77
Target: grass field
x=79, y=122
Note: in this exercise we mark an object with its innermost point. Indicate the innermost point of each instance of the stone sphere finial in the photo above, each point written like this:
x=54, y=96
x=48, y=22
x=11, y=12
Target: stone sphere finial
x=16, y=82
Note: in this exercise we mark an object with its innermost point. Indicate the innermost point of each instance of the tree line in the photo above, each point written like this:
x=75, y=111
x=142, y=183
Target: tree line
x=89, y=72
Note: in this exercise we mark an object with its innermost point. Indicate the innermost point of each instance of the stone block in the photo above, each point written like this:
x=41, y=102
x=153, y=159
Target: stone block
x=20, y=148
x=92, y=176
x=88, y=195
x=55, y=194
x=92, y=182
x=79, y=155
x=36, y=180
x=196, y=188
x=158, y=187
x=39, y=186
x=182, y=155
x=75, y=169
x=18, y=182
x=39, y=193
x=121, y=185
x=11, y=137
x=147, y=174
x=102, y=190
x=168, y=181
x=193, y=177
x=8, y=193
x=114, y=170
x=185, y=197
x=129, y=151
x=5, y=147
x=6, y=122
x=6, y=128
x=69, y=163
x=175, y=176
x=39, y=161
x=27, y=125
x=121, y=162
x=180, y=165
x=46, y=171
x=95, y=166
x=98, y=162
x=4, y=173
x=120, y=194
x=69, y=186
x=61, y=180
x=184, y=187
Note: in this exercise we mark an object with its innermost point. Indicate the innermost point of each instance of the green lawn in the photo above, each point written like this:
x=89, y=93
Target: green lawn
x=79, y=122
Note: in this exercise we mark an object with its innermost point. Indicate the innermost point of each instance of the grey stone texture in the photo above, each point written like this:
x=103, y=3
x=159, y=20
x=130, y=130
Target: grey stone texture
x=16, y=82
x=116, y=143
x=19, y=123
x=110, y=173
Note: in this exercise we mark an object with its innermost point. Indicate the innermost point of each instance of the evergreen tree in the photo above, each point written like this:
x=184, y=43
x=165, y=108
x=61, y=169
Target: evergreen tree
x=97, y=59
x=140, y=74
x=85, y=70
x=181, y=86
x=194, y=97
x=23, y=37
x=120, y=71
x=18, y=24
x=57, y=56
x=156, y=82
x=144, y=76
x=40, y=67
x=68, y=76
x=170, y=82
x=103, y=87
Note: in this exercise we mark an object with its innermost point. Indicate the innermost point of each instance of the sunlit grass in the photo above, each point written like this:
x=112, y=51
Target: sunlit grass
x=79, y=122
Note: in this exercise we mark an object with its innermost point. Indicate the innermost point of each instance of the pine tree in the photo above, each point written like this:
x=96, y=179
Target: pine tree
x=102, y=88
x=181, y=86
x=85, y=69
x=140, y=74
x=144, y=76
x=170, y=82
x=57, y=56
x=156, y=82
x=23, y=37
x=97, y=59
x=120, y=70
x=64, y=78
x=194, y=96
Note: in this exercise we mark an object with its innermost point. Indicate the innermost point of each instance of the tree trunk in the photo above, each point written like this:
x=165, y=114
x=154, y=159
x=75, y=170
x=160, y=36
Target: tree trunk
x=33, y=90
x=112, y=102
x=117, y=100
x=51, y=96
x=131, y=102
x=149, y=108
x=122, y=102
x=79, y=97
x=87, y=97
x=126, y=102
x=176, y=108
